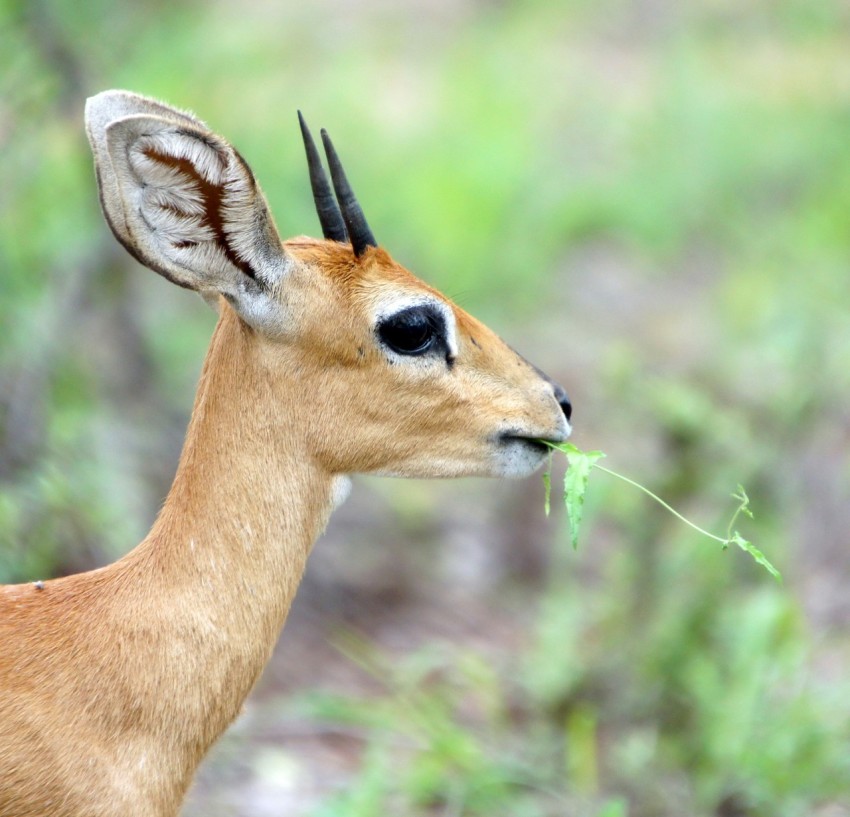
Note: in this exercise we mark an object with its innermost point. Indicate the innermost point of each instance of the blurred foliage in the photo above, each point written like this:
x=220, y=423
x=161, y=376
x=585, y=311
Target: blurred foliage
x=655, y=196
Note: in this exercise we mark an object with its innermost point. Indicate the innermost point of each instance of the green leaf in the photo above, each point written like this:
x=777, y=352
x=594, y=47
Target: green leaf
x=575, y=484
x=742, y=497
x=547, y=485
x=760, y=558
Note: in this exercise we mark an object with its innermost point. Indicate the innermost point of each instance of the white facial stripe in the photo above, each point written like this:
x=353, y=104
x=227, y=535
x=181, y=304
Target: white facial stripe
x=400, y=301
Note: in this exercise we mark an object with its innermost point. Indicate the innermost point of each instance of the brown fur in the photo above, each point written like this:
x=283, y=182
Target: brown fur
x=114, y=683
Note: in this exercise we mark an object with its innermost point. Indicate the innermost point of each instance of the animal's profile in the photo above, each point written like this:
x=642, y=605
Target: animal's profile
x=328, y=359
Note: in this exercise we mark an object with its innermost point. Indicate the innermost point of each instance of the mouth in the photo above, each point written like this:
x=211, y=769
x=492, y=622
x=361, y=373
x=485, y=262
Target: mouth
x=520, y=453
x=539, y=445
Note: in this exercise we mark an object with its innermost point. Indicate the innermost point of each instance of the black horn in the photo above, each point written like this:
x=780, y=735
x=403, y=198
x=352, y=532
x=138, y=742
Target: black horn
x=333, y=227
x=358, y=229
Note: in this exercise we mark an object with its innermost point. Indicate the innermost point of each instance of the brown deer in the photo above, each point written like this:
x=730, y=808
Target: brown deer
x=328, y=359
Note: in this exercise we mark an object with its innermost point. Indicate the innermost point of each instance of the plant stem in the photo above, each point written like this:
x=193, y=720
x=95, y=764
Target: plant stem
x=662, y=503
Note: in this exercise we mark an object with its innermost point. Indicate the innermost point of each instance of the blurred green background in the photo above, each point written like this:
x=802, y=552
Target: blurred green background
x=652, y=201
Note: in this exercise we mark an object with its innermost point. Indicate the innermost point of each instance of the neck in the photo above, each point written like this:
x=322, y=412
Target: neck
x=225, y=557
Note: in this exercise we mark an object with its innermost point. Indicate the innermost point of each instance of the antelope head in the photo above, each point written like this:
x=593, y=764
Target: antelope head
x=365, y=367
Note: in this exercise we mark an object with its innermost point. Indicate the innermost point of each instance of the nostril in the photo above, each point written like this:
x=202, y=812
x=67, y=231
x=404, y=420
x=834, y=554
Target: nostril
x=563, y=401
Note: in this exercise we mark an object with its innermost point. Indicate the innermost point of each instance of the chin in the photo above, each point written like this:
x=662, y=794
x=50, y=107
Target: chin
x=518, y=458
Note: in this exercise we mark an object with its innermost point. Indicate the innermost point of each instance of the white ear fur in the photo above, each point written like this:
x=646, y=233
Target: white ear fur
x=184, y=202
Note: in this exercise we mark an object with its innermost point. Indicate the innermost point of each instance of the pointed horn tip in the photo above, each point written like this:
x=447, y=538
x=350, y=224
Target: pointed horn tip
x=330, y=152
x=327, y=207
x=357, y=227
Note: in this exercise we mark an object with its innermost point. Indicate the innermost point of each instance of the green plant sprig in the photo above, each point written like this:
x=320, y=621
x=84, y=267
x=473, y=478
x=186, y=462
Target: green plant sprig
x=580, y=464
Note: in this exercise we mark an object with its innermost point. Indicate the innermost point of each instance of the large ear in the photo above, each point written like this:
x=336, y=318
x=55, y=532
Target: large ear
x=184, y=202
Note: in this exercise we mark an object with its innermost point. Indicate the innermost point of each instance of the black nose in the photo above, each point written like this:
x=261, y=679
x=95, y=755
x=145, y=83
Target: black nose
x=563, y=401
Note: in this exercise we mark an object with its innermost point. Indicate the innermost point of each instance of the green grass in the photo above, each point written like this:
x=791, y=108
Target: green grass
x=719, y=708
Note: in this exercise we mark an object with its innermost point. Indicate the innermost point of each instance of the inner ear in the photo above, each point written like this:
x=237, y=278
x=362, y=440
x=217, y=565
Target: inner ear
x=211, y=198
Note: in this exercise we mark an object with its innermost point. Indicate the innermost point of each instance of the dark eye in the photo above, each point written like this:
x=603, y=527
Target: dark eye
x=411, y=332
